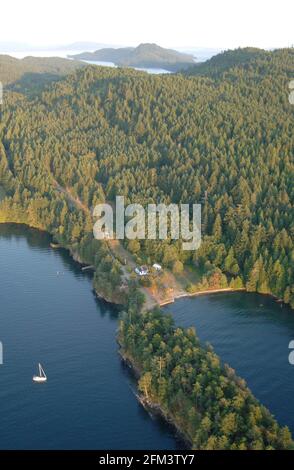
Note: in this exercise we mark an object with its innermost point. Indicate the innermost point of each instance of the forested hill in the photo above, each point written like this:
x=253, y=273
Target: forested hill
x=224, y=141
x=145, y=55
x=243, y=58
x=24, y=74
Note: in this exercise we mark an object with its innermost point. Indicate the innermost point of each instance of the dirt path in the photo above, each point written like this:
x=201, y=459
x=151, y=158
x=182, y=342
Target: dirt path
x=74, y=201
x=173, y=286
x=128, y=265
x=116, y=250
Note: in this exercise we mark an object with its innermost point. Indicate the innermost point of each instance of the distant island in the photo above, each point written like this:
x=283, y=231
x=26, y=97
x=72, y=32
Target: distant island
x=143, y=56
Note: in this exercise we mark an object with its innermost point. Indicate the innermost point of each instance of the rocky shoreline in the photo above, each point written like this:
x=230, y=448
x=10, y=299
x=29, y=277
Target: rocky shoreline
x=155, y=409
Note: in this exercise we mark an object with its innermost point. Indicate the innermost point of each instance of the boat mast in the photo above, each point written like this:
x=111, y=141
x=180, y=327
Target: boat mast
x=42, y=373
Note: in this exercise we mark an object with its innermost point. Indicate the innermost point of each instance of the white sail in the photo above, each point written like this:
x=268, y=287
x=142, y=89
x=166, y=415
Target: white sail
x=42, y=373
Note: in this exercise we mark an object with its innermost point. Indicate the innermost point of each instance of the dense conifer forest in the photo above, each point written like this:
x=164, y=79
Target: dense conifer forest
x=188, y=384
x=220, y=135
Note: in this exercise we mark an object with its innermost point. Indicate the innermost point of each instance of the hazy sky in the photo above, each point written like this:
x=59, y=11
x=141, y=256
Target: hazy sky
x=204, y=23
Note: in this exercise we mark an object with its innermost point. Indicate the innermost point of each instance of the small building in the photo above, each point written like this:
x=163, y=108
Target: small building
x=157, y=267
x=142, y=270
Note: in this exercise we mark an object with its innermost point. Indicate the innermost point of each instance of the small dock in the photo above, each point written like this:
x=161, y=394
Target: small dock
x=54, y=245
x=85, y=268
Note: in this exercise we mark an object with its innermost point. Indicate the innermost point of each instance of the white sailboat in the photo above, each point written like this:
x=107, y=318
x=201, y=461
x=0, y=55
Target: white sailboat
x=42, y=377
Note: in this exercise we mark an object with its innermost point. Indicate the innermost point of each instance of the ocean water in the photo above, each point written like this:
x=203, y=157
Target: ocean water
x=49, y=314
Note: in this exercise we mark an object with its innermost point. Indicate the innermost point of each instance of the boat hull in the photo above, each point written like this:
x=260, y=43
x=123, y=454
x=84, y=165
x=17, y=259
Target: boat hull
x=36, y=378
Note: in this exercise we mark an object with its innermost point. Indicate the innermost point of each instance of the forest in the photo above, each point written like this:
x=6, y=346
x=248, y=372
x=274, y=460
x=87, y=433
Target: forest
x=209, y=404
x=220, y=134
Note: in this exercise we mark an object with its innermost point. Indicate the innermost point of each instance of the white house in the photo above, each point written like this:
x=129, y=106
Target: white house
x=157, y=267
x=141, y=270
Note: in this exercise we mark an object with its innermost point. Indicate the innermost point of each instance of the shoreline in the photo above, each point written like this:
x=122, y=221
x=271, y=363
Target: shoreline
x=219, y=291
x=76, y=257
x=153, y=408
x=203, y=292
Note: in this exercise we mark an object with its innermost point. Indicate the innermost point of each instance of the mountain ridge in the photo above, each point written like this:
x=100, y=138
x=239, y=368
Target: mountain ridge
x=147, y=55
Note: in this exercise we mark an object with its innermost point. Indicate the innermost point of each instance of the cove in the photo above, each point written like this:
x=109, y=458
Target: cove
x=251, y=333
x=49, y=314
